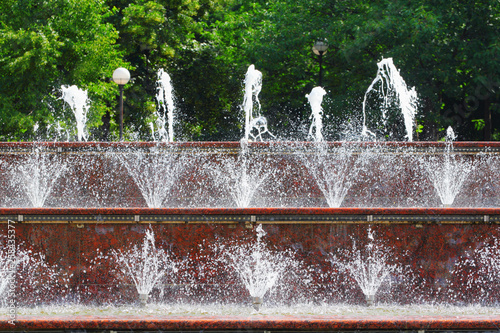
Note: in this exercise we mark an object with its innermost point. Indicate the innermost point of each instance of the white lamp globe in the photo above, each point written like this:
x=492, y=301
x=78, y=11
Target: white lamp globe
x=121, y=76
x=320, y=47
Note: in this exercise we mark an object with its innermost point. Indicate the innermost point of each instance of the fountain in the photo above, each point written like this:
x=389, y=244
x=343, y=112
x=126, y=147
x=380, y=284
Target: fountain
x=241, y=177
x=155, y=173
x=253, y=86
x=145, y=266
x=335, y=171
x=370, y=266
x=449, y=172
x=310, y=231
x=36, y=174
x=259, y=268
x=315, y=99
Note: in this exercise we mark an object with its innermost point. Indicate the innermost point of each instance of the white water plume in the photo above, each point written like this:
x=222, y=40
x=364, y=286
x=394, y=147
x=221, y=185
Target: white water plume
x=449, y=171
x=155, y=173
x=392, y=88
x=315, y=99
x=146, y=265
x=241, y=177
x=165, y=114
x=253, y=124
x=259, y=268
x=80, y=104
x=36, y=174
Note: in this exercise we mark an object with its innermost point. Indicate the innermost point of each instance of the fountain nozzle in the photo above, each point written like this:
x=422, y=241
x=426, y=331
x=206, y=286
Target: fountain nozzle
x=256, y=303
x=143, y=298
x=370, y=299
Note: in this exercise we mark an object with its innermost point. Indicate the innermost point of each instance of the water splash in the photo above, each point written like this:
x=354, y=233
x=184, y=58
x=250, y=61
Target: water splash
x=475, y=275
x=335, y=171
x=146, y=266
x=315, y=99
x=36, y=175
x=30, y=277
x=8, y=268
x=155, y=173
x=79, y=103
x=258, y=124
x=489, y=258
x=259, y=268
x=242, y=176
x=448, y=172
x=165, y=113
x=392, y=88
x=369, y=266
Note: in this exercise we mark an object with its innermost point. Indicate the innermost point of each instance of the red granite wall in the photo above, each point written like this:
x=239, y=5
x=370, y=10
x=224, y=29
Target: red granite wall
x=393, y=177
x=437, y=262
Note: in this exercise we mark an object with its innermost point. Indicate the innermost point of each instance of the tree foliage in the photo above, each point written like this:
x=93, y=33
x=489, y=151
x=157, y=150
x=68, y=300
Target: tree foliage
x=46, y=44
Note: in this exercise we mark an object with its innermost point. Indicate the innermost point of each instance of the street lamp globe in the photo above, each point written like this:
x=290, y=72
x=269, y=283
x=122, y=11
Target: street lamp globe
x=320, y=47
x=121, y=76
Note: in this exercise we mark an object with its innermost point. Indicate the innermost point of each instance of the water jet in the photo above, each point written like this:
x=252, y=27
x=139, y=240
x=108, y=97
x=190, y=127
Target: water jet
x=370, y=300
x=257, y=303
x=143, y=298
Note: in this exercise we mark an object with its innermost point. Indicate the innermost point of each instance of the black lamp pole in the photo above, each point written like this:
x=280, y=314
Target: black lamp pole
x=121, y=76
x=120, y=86
x=319, y=48
x=321, y=68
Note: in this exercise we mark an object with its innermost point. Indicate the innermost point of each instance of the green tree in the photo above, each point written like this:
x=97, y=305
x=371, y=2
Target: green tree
x=447, y=50
x=169, y=35
x=46, y=44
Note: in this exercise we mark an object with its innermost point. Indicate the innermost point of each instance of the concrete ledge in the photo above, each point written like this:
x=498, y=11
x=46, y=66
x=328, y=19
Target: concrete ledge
x=289, y=323
x=459, y=146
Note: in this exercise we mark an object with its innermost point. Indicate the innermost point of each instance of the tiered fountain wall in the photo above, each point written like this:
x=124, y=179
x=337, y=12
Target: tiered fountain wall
x=94, y=207
x=97, y=207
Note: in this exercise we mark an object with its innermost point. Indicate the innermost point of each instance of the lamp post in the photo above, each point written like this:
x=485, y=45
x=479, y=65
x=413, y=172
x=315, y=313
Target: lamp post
x=319, y=48
x=121, y=76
